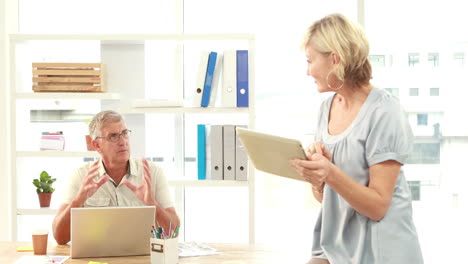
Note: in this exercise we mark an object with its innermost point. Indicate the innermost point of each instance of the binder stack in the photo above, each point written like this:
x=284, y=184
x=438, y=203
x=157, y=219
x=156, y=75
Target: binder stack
x=233, y=65
x=220, y=153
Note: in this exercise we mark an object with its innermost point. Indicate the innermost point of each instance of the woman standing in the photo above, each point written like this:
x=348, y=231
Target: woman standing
x=355, y=166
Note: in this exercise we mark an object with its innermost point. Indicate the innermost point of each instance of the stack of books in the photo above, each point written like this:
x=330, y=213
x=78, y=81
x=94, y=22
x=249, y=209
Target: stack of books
x=52, y=141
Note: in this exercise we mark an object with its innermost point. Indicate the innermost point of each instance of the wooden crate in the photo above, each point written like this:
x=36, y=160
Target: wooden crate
x=68, y=77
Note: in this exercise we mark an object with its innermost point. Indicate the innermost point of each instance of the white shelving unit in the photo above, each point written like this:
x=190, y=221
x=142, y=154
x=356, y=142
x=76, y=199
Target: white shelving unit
x=57, y=154
x=99, y=96
x=116, y=49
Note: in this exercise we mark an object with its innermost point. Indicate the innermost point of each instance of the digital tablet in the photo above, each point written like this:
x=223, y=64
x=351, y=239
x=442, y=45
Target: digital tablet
x=271, y=153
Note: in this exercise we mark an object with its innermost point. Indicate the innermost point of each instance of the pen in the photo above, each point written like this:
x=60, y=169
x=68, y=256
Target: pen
x=170, y=230
x=176, y=232
x=161, y=232
x=156, y=235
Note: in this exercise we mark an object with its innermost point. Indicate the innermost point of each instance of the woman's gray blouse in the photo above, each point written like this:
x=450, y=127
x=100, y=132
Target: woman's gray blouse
x=379, y=132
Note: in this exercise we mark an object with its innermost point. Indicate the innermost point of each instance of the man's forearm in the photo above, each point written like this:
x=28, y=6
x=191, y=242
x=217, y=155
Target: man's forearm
x=61, y=224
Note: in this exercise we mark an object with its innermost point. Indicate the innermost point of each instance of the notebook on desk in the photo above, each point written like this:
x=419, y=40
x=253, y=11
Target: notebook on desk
x=111, y=231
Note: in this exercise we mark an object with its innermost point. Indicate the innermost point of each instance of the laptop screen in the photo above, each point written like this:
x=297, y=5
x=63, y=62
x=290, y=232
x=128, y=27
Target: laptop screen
x=111, y=231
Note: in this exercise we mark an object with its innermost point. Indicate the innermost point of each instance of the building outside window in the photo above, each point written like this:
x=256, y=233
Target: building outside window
x=415, y=187
x=393, y=91
x=377, y=60
x=414, y=91
x=433, y=59
x=422, y=119
x=434, y=91
x=413, y=59
x=459, y=58
x=425, y=153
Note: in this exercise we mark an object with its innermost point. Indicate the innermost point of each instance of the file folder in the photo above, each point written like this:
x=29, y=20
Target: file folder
x=215, y=144
x=242, y=78
x=228, y=93
x=201, y=152
x=229, y=152
x=202, y=67
x=209, y=79
x=216, y=78
x=208, y=151
x=241, y=160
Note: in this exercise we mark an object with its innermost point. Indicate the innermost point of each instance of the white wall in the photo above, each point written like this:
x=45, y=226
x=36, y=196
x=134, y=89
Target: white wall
x=8, y=24
x=4, y=201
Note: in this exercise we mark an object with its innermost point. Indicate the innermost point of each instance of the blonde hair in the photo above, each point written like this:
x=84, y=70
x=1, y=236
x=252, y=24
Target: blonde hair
x=336, y=34
x=100, y=120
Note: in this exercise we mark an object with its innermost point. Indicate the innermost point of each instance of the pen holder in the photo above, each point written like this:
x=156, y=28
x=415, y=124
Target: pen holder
x=164, y=251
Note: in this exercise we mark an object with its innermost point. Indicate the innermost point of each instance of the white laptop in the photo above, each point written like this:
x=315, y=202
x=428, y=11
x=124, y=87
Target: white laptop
x=111, y=231
x=271, y=153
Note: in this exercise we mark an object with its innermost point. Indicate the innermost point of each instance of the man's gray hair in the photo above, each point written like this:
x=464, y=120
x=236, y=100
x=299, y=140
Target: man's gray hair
x=100, y=120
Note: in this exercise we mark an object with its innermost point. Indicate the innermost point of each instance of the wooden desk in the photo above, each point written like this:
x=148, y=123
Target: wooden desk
x=229, y=254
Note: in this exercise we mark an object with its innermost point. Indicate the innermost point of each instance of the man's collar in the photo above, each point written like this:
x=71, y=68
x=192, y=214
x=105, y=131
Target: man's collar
x=101, y=170
x=132, y=170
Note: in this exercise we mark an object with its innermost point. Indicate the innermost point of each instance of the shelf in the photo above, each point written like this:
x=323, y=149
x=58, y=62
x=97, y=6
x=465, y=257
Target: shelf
x=41, y=211
x=59, y=154
x=99, y=96
x=131, y=38
x=192, y=110
x=124, y=54
x=206, y=183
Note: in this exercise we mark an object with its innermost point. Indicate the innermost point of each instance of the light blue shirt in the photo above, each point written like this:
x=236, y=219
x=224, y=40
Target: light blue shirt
x=379, y=132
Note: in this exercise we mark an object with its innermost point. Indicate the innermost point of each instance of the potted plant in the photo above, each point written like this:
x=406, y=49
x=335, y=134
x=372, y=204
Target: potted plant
x=44, y=188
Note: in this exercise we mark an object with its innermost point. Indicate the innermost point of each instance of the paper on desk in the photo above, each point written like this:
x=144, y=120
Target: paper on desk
x=192, y=249
x=41, y=259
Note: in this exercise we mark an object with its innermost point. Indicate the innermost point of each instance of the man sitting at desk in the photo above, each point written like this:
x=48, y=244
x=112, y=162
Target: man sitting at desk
x=115, y=179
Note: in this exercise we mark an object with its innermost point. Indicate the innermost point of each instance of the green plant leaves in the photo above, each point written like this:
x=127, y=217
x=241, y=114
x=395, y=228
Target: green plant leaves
x=44, y=176
x=44, y=183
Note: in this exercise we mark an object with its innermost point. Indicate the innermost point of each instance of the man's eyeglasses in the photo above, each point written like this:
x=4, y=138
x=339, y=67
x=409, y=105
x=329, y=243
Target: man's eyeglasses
x=114, y=137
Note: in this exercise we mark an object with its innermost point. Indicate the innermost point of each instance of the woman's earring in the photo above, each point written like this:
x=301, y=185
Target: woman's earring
x=329, y=86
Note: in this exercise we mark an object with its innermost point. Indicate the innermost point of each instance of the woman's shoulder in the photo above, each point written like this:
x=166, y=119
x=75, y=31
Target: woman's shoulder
x=383, y=102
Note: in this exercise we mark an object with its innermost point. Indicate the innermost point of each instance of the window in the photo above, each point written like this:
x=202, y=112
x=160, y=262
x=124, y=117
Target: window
x=393, y=91
x=413, y=59
x=433, y=59
x=436, y=162
x=425, y=153
x=414, y=91
x=459, y=58
x=415, y=187
x=436, y=132
x=422, y=119
x=377, y=60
